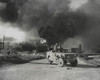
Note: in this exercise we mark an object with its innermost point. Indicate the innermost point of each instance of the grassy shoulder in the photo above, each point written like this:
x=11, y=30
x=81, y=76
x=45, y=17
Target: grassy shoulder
x=20, y=59
x=94, y=60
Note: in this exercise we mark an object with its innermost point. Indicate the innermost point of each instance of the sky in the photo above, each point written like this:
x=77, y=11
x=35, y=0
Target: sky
x=11, y=33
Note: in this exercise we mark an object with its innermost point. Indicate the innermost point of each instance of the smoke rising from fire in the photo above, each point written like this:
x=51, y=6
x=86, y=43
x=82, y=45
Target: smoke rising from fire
x=91, y=34
x=56, y=20
x=63, y=26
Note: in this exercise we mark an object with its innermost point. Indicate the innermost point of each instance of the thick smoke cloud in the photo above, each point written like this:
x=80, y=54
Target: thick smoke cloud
x=10, y=13
x=89, y=32
x=56, y=20
x=51, y=18
x=91, y=35
x=38, y=12
x=64, y=26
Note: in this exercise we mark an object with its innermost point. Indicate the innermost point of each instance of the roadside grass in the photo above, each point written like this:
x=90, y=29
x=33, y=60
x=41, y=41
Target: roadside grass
x=91, y=60
x=19, y=59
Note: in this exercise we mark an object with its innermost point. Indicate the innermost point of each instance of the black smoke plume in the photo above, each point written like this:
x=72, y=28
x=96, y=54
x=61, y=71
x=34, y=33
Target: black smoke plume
x=53, y=19
x=91, y=35
x=11, y=11
x=63, y=26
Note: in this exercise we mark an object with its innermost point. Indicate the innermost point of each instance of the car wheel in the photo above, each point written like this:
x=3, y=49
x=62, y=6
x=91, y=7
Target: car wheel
x=60, y=62
x=74, y=63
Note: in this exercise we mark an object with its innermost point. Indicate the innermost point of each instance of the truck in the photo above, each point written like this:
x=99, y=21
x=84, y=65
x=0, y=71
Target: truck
x=62, y=57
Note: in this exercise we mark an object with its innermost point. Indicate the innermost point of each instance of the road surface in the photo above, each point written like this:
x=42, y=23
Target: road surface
x=41, y=70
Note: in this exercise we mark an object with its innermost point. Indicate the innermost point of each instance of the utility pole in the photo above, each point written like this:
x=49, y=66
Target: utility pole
x=3, y=41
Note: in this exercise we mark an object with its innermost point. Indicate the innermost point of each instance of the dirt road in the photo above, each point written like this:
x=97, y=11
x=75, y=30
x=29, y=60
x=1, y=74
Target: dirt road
x=41, y=70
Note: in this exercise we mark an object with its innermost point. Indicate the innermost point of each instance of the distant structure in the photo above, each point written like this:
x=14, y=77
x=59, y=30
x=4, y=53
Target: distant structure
x=2, y=44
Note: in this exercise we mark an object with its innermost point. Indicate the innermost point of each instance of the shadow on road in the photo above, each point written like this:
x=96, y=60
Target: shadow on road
x=87, y=66
x=68, y=65
x=39, y=63
x=84, y=66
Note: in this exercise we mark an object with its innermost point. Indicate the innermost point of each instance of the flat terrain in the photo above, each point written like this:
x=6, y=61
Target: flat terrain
x=41, y=70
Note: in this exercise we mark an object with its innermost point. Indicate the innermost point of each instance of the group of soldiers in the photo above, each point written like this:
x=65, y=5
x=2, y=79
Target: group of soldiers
x=58, y=48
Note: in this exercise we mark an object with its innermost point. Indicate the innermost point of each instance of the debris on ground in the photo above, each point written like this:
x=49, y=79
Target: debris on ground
x=69, y=68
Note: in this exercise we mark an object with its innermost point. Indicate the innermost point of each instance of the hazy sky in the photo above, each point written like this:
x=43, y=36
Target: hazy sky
x=75, y=4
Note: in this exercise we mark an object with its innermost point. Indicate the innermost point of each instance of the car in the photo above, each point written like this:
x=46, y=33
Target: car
x=62, y=58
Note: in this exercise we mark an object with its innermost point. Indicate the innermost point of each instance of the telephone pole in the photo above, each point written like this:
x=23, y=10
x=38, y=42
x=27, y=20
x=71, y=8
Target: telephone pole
x=3, y=41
